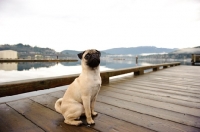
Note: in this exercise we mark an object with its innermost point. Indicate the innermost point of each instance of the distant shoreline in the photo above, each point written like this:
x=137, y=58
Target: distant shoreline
x=28, y=60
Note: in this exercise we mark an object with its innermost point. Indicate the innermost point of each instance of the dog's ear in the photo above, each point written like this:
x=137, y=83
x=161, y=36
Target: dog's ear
x=99, y=52
x=80, y=55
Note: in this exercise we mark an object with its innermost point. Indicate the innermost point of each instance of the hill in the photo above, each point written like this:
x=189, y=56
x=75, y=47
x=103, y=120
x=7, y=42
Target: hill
x=74, y=52
x=138, y=50
x=195, y=50
x=27, y=48
x=27, y=51
x=126, y=51
x=70, y=52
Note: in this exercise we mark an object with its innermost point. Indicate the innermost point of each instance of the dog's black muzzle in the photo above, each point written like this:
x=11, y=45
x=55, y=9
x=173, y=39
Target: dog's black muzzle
x=93, y=60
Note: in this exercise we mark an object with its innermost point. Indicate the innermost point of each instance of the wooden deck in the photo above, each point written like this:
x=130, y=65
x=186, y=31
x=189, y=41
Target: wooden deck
x=167, y=100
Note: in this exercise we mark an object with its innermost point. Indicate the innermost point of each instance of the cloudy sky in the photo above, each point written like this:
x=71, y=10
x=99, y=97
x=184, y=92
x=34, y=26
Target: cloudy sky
x=102, y=24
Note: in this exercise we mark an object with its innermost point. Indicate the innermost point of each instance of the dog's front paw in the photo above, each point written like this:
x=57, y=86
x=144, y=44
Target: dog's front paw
x=94, y=113
x=90, y=121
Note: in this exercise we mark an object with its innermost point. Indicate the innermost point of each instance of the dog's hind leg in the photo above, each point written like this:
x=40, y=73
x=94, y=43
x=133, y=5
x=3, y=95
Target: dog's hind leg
x=72, y=114
x=71, y=121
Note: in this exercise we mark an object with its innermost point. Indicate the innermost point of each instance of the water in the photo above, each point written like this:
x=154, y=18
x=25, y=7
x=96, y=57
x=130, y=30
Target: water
x=29, y=70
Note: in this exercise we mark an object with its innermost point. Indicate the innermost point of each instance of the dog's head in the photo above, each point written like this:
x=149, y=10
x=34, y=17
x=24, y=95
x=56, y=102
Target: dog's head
x=90, y=57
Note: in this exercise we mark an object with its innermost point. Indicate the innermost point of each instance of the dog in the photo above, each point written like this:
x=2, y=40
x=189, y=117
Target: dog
x=80, y=96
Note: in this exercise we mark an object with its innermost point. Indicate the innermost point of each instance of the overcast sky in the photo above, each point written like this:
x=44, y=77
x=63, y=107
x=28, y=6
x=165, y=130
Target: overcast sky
x=102, y=24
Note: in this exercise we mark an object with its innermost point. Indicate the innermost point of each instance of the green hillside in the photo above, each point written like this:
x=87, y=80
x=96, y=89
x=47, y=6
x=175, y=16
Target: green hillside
x=27, y=51
x=27, y=48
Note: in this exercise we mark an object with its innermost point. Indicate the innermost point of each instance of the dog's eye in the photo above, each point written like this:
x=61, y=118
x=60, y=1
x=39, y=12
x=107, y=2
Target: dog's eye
x=99, y=54
x=87, y=56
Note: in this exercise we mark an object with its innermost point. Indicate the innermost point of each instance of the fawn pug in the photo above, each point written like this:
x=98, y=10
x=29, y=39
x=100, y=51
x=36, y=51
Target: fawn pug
x=81, y=94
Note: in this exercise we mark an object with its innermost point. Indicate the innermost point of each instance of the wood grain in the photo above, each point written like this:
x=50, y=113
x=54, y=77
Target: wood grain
x=10, y=120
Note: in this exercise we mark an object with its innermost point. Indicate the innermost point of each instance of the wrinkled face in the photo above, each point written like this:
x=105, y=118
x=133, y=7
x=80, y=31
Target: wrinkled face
x=90, y=57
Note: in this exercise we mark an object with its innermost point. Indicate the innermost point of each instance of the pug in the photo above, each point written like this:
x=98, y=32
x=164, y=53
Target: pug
x=81, y=94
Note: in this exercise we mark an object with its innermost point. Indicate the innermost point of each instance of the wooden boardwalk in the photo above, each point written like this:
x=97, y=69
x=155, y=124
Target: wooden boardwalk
x=167, y=101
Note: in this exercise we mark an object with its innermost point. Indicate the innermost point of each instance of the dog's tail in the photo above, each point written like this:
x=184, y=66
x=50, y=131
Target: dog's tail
x=58, y=105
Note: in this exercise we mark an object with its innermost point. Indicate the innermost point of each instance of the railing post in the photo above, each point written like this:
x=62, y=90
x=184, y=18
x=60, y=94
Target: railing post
x=156, y=69
x=140, y=72
x=165, y=67
x=105, y=80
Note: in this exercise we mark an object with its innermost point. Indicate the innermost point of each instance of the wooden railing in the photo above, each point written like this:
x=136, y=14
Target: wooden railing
x=18, y=87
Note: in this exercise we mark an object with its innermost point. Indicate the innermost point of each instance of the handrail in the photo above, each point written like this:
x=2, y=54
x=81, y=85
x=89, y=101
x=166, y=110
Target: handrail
x=18, y=87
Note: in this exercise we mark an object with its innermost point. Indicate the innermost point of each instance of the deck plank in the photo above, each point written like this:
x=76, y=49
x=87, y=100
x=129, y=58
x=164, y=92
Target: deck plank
x=10, y=120
x=147, y=121
x=47, y=119
x=153, y=111
x=163, y=86
x=173, y=81
x=105, y=123
x=175, y=96
x=163, y=89
x=140, y=80
x=153, y=103
x=154, y=97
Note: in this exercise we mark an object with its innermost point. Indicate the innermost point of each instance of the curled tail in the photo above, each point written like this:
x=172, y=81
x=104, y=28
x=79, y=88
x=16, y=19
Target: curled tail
x=58, y=105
